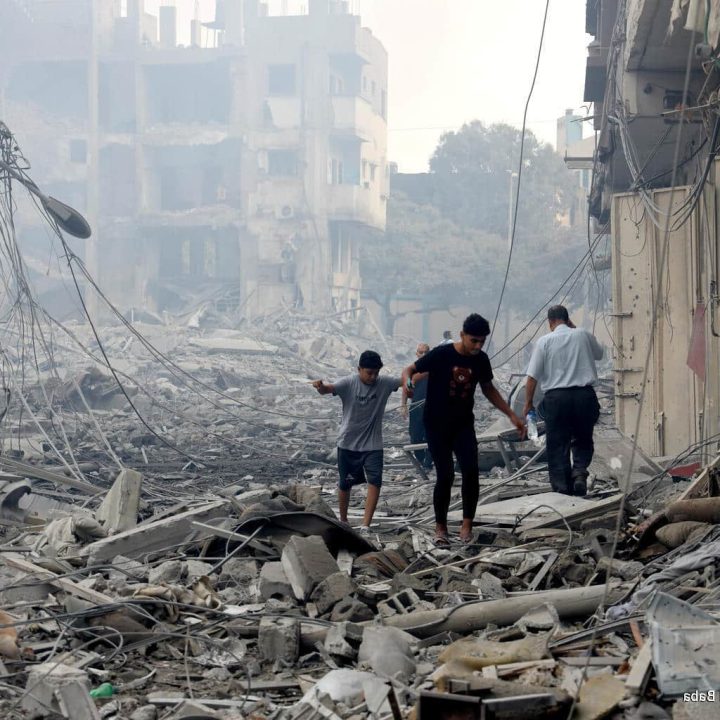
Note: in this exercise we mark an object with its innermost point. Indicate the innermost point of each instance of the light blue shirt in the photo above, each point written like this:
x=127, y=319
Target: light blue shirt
x=565, y=358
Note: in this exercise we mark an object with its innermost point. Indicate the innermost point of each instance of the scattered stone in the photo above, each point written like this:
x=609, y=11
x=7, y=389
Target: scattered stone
x=279, y=639
x=195, y=569
x=307, y=561
x=331, y=590
x=273, y=582
x=351, y=610
x=490, y=587
x=119, y=509
x=166, y=573
x=146, y=712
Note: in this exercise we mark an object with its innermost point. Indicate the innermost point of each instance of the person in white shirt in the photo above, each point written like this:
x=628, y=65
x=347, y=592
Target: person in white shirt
x=563, y=363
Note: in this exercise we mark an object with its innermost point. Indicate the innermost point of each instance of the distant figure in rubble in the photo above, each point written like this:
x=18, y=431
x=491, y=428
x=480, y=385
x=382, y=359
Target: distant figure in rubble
x=454, y=372
x=563, y=362
x=360, y=444
x=416, y=424
x=447, y=338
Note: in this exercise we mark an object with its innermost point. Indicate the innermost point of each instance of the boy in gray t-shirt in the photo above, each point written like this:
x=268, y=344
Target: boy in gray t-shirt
x=360, y=445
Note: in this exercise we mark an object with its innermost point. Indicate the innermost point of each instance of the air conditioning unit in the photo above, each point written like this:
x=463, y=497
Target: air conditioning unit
x=284, y=212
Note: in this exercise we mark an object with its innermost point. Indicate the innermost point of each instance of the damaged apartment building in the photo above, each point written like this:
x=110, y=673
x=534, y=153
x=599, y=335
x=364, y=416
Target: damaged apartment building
x=653, y=77
x=243, y=163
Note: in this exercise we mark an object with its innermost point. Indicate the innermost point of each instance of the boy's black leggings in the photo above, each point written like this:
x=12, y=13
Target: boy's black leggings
x=443, y=441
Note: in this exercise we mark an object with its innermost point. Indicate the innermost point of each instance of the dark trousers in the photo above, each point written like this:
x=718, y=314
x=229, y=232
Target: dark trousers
x=570, y=415
x=443, y=441
x=416, y=429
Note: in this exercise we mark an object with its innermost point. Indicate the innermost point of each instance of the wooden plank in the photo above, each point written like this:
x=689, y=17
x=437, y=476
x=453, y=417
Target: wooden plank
x=68, y=586
x=637, y=635
x=543, y=571
x=640, y=671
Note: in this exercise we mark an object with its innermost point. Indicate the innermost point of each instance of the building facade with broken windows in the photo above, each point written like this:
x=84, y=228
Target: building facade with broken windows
x=652, y=75
x=243, y=162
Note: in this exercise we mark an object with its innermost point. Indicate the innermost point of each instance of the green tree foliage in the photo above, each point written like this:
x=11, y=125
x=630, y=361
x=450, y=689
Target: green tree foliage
x=424, y=255
x=453, y=250
x=471, y=171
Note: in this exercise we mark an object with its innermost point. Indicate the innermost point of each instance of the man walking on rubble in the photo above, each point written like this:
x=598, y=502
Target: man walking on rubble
x=360, y=444
x=563, y=362
x=454, y=371
x=416, y=424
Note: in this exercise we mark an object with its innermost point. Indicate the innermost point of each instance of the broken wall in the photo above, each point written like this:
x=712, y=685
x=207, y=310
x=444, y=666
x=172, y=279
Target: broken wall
x=682, y=395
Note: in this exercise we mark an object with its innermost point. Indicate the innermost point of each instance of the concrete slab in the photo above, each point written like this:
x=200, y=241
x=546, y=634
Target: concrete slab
x=244, y=346
x=155, y=537
x=506, y=512
x=119, y=510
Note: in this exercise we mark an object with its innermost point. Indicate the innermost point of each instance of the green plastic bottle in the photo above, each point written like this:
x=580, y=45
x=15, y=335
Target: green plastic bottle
x=106, y=690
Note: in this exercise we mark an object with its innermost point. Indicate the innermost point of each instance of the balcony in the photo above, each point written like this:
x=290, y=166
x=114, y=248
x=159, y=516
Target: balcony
x=352, y=203
x=353, y=115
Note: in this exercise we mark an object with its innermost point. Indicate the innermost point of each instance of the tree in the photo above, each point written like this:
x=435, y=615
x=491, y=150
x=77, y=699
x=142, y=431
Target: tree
x=424, y=255
x=471, y=171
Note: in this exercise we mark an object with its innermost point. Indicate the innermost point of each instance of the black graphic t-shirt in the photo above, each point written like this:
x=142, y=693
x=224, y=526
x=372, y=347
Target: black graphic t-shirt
x=452, y=381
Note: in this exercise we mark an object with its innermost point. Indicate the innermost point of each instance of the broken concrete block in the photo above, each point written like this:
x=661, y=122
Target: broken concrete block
x=238, y=571
x=197, y=569
x=279, y=639
x=490, y=587
x=307, y=562
x=403, y=602
x=274, y=582
x=305, y=494
x=56, y=688
x=336, y=643
x=251, y=497
x=153, y=538
x=331, y=590
x=624, y=569
x=351, y=610
x=388, y=652
x=166, y=573
x=119, y=510
x=146, y=712
x=193, y=710
x=126, y=568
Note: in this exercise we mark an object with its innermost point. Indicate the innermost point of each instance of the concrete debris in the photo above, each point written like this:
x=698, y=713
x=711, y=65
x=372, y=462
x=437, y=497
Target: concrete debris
x=307, y=562
x=224, y=586
x=119, y=510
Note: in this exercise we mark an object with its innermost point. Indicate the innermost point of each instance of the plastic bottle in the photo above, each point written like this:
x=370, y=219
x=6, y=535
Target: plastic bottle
x=532, y=429
x=106, y=690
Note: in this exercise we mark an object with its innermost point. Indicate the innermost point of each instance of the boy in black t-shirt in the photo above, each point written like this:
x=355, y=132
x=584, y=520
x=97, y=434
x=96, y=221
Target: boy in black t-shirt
x=454, y=371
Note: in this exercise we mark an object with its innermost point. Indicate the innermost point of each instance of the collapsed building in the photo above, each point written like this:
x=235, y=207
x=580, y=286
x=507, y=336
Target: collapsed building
x=245, y=160
x=652, y=77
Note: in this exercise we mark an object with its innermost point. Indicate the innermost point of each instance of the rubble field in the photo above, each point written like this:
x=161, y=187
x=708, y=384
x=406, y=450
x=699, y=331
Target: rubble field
x=190, y=565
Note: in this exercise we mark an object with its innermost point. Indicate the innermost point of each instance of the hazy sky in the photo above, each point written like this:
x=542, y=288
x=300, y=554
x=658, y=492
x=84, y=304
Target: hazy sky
x=452, y=61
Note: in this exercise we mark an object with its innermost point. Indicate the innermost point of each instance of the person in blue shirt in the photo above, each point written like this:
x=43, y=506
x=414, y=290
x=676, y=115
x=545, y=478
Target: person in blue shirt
x=416, y=424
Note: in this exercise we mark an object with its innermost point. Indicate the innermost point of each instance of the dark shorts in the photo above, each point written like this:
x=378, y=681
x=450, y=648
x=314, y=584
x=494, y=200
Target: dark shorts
x=357, y=467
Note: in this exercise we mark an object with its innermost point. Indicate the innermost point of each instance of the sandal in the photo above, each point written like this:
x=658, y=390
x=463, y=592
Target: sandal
x=441, y=541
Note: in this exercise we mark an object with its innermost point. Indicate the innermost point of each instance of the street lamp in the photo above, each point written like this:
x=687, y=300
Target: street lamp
x=69, y=219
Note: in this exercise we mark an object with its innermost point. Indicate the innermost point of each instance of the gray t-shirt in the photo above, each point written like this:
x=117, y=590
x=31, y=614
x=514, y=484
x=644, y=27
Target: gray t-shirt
x=363, y=409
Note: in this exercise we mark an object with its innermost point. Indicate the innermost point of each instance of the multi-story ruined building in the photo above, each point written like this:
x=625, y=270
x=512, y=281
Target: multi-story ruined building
x=652, y=75
x=248, y=164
